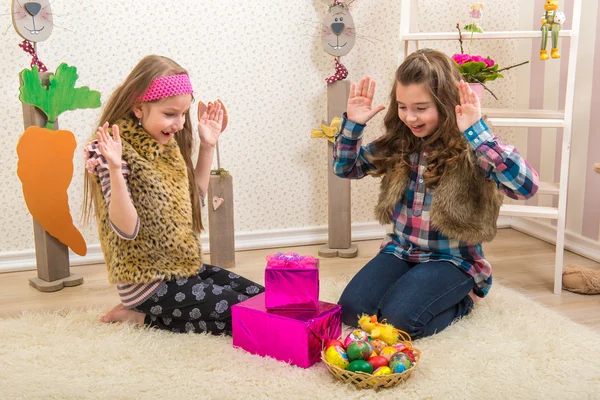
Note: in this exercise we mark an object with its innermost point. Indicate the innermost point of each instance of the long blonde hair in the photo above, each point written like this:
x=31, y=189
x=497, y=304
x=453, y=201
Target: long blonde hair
x=120, y=105
x=440, y=76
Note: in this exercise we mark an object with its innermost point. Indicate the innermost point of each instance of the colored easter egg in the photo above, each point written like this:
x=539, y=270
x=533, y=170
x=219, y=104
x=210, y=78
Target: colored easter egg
x=360, y=366
x=388, y=351
x=378, y=361
x=337, y=356
x=399, y=368
x=356, y=335
x=334, y=342
x=378, y=345
x=400, y=358
x=382, y=371
x=359, y=351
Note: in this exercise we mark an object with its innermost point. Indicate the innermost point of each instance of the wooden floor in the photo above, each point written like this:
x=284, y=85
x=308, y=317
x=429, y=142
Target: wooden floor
x=519, y=261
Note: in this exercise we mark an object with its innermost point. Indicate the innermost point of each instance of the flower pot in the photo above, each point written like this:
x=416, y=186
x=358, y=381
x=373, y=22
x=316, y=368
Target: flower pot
x=478, y=89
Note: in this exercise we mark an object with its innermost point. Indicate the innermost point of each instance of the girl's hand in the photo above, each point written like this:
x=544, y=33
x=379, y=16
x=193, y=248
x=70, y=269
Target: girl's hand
x=110, y=147
x=360, y=102
x=469, y=110
x=210, y=124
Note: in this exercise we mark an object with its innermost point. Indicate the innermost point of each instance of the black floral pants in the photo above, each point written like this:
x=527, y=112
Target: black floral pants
x=200, y=303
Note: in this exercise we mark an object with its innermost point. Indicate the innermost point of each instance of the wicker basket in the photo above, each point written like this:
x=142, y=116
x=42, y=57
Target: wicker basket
x=363, y=380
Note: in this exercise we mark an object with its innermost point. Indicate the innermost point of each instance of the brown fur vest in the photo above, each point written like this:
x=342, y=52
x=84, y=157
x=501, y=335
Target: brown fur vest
x=465, y=205
x=166, y=246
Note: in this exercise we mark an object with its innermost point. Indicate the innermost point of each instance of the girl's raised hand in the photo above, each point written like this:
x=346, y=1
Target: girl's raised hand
x=110, y=147
x=469, y=110
x=210, y=124
x=360, y=103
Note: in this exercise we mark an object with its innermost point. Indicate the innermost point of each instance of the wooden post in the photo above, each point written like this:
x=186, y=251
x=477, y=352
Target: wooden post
x=339, y=205
x=51, y=255
x=220, y=221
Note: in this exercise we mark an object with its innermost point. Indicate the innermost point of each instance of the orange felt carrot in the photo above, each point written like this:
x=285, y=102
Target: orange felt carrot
x=45, y=165
x=45, y=168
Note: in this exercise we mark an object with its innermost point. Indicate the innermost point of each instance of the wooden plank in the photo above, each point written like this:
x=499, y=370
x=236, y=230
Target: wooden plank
x=339, y=208
x=221, y=222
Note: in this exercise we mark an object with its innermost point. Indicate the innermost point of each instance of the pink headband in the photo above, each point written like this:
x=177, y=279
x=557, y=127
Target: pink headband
x=167, y=86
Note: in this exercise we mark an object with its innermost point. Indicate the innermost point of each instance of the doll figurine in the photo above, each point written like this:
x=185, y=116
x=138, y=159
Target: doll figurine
x=551, y=22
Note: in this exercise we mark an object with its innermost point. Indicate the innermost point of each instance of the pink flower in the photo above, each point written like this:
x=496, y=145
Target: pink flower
x=465, y=58
x=488, y=61
x=461, y=58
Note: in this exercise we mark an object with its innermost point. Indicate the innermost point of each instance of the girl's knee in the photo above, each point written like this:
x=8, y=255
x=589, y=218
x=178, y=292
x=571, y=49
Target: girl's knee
x=403, y=319
x=352, y=308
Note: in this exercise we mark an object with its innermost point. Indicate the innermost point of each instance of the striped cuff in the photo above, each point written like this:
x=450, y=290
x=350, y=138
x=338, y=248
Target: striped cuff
x=122, y=234
x=133, y=295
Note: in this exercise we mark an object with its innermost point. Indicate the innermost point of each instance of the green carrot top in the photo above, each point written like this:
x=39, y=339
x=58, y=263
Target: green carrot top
x=61, y=95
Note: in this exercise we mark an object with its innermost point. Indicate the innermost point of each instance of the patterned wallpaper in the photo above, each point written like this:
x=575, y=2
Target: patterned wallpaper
x=262, y=58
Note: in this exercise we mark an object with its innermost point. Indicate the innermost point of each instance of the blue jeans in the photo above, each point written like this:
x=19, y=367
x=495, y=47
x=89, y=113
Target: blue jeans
x=421, y=299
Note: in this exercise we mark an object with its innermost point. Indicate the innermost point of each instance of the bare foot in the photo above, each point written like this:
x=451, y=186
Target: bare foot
x=121, y=314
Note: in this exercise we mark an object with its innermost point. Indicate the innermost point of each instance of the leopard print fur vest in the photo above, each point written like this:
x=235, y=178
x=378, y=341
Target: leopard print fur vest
x=166, y=246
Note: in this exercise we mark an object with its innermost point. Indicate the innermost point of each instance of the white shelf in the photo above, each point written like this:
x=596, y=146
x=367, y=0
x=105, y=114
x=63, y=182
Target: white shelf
x=484, y=35
x=515, y=210
x=527, y=122
x=548, y=188
x=522, y=113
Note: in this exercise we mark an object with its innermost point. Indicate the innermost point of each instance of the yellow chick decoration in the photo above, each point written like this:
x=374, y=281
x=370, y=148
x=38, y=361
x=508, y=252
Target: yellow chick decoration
x=381, y=330
x=328, y=132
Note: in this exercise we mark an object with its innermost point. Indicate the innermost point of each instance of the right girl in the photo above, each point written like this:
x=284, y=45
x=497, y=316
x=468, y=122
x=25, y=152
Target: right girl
x=443, y=176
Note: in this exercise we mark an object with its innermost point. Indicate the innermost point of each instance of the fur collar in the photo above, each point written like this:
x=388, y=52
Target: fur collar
x=465, y=205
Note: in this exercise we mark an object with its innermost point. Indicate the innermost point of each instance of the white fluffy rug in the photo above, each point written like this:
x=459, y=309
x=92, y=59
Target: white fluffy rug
x=509, y=347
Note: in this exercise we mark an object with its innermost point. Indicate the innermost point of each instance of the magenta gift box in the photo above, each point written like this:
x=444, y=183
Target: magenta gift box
x=291, y=282
x=294, y=336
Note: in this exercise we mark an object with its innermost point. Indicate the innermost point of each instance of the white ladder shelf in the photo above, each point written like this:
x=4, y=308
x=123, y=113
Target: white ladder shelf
x=522, y=118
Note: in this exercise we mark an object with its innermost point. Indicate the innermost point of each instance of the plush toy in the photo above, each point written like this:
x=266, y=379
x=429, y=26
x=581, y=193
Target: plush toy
x=381, y=330
x=551, y=22
x=579, y=279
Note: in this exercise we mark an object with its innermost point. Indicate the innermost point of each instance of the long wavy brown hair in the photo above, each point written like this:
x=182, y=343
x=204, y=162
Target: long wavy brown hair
x=120, y=105
x=440, y=76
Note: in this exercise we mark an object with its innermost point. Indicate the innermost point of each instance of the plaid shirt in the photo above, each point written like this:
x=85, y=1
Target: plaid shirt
x=413, y=238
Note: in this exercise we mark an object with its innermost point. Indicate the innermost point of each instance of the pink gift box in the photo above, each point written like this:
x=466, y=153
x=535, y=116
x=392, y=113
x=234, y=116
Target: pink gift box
x=291, y=282
x=292, y=336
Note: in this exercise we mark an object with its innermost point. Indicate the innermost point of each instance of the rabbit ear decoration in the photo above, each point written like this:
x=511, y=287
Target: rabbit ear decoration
x=202, y=109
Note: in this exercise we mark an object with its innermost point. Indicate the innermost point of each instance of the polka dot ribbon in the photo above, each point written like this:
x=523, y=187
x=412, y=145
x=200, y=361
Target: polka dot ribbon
x=338, y=2
x=27, y=47
x=341, y=72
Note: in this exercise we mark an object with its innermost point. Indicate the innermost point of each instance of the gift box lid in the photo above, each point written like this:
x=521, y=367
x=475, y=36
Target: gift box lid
x=257, y=303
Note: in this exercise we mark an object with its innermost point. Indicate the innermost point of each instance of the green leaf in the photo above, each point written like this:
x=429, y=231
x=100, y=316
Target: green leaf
x=472, y=67
x=473, y=28
x=60, y=96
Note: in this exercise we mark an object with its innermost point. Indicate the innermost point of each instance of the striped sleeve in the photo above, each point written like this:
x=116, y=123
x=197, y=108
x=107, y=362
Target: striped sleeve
x=502, y=163
x=133, y=295
x=96, y=164
x=350, y=159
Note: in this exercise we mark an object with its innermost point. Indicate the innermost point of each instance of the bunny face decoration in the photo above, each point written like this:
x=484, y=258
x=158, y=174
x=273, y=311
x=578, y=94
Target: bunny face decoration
x=339, y=32
x=32, y=19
